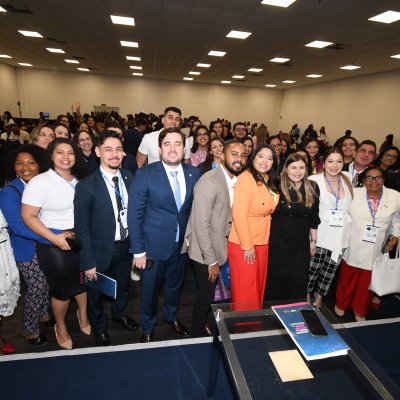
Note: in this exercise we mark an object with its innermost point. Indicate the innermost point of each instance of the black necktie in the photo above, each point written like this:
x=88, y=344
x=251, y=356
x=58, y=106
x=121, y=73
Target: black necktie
x=122, y=230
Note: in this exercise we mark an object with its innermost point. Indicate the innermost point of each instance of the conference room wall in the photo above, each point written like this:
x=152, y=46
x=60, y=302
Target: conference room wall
x=8, y=90
x=368, y=105
x=56, y=92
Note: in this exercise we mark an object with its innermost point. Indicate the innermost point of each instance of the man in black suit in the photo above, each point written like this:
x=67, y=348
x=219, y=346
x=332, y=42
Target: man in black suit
x=100, y=208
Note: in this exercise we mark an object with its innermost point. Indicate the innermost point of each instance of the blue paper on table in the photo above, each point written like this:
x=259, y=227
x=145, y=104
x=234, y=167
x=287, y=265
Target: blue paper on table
x=104, y=284
x=312, y=347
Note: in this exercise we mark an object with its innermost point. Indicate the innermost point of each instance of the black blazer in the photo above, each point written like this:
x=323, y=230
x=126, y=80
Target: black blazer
x=95, y=220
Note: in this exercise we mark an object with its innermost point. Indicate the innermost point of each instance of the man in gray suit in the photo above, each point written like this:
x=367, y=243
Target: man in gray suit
x=208, y=229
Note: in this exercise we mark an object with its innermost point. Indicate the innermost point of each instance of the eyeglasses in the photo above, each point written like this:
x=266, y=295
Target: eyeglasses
x=374, y=178
x=202, y=134
x=85, y=140
x=392, y=156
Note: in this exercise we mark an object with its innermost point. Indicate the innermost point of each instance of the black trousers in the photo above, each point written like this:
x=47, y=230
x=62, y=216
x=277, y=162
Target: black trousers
x=204, y=298
x=119, y=269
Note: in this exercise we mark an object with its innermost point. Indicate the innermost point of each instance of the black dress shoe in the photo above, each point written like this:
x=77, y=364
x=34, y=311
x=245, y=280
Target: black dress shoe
x=178, y=328
x=103, y=339
x=128, y=323
x=39, y=340
x=147, y=337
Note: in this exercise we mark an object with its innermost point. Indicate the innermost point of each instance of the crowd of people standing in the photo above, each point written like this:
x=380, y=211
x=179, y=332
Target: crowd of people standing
x=101, y=194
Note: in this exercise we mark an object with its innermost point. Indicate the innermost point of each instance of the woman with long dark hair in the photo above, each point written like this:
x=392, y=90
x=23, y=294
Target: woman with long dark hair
x=199, y=151
x=47, y=203
x=255, y=198
x=336, y=194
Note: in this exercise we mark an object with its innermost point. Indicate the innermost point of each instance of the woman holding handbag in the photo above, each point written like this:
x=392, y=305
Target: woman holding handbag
x=374, y=211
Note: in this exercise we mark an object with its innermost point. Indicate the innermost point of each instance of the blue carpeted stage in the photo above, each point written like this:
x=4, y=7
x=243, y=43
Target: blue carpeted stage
x=165, y=370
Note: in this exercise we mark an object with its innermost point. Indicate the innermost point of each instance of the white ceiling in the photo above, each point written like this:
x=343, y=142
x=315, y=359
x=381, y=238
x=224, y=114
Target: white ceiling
x=175, y=35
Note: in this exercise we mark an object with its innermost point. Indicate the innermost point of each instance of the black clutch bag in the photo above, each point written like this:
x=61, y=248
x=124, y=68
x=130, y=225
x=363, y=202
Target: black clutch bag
x=74, y=244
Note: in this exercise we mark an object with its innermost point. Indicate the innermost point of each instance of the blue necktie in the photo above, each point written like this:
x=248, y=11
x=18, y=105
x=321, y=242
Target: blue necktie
x=177, y=196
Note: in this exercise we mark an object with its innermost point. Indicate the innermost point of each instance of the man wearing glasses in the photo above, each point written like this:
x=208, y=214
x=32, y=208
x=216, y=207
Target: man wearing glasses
x=239, y=130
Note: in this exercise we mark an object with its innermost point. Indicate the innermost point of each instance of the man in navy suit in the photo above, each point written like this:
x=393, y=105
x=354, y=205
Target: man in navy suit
x=160, y=200
x=100, y=208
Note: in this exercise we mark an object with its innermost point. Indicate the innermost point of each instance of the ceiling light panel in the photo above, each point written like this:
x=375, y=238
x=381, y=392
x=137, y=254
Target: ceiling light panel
x=255, y=69
x=278, y=3
x=83, y=69
x=26, y=64
x=4, y=56
x=125, y=43
x=319, y=44
x=270, y=85
x=395, y=56
x=215, y=53
x=122, y=20
x=288, y=81
x=387, y=17
x=137, y=74
x=30, y=34
x=314, y=76
x=52, y=50
x=201, y=65
x=70, y=61
x=238, y=76
x=280, y=60
x=350, y=67
x=187, y=78
x=226, y=82
x=132, y=58
x=238, y=35
x=2, y=9
x=135, y=67
x=194, y=73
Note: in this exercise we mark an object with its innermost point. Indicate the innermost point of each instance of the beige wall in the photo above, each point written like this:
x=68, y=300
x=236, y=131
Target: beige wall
x=56, y=92
x=368, y=105
x=8, y=90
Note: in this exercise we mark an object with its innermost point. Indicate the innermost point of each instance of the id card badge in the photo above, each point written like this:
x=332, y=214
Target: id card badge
x=370, y=234
x=124, y=218
x=335, y=217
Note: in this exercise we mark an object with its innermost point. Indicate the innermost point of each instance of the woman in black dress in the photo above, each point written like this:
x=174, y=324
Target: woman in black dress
x=293, y=233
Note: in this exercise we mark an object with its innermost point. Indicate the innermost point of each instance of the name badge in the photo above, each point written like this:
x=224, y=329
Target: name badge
x=124, y=217
x=370, y=233
x=335, y=217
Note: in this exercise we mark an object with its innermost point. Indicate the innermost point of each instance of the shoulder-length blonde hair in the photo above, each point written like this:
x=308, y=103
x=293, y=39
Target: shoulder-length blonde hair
x=287, y=184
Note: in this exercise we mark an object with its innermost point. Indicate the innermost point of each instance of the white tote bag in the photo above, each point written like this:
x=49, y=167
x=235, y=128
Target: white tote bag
x=386, y=274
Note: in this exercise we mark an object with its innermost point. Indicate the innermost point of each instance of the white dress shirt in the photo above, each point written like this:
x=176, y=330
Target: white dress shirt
x=107, y=176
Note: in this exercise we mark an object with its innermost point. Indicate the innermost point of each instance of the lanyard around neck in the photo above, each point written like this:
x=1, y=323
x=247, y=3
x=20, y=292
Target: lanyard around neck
x=119, y=192
x=373, y=214
x=337, y=195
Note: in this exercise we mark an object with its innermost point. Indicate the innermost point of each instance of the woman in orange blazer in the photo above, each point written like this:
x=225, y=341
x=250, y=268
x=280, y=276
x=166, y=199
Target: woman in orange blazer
x=255, y=199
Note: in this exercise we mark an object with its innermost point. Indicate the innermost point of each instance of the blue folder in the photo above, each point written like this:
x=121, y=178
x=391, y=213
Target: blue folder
x=103, y=284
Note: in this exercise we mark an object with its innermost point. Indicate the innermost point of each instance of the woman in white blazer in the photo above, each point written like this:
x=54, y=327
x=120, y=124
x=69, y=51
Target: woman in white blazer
x=336, y=194
x=375, y=213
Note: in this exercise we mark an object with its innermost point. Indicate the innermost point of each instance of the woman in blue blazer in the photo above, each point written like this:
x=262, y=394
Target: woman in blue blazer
x=22, y=165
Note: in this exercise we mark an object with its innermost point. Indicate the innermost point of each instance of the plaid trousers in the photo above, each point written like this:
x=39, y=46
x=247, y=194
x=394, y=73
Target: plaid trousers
x=322, y=271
